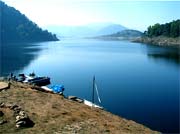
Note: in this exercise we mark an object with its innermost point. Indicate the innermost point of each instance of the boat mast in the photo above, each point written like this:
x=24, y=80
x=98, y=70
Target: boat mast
x=93, y=89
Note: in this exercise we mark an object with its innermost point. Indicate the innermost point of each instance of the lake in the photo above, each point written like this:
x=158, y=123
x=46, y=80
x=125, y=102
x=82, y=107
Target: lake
x=136, y=81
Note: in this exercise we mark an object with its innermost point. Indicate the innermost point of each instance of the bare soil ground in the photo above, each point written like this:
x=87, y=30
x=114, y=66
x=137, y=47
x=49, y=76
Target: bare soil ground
x=3, y=85
x=53, y=114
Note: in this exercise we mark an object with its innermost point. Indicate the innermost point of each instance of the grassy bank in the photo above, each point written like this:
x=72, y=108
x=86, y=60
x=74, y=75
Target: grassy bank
x=54, y=114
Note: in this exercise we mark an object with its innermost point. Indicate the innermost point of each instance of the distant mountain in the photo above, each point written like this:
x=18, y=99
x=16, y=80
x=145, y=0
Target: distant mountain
x=110, y=29
x=90, y=30
x=127, y=33
x=122, y=35
x=16, y=27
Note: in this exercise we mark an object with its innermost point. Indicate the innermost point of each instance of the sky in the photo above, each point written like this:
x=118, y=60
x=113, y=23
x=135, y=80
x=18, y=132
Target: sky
x=132, y=14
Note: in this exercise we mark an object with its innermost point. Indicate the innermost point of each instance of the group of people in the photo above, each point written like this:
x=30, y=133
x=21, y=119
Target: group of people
x=12, y=77
x=20, y=78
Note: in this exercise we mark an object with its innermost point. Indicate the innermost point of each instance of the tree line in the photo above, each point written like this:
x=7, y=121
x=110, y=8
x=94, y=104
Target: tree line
x=171, y=29
x=16, y=27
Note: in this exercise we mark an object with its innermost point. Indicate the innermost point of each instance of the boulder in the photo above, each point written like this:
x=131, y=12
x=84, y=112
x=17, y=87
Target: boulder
x=2, y=104
x=74, y=98
x=13, y=106
x=4, y=85
x=1, y=113
x=22, y=120
x=20, y=124
x=17, y=110
x=2, y=122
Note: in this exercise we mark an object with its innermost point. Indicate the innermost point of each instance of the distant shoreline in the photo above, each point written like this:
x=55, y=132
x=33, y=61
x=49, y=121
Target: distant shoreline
x=108, y=38
x=159, y=41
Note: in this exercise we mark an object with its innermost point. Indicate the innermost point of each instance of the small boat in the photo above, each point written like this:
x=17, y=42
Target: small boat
x=46, y=88
x=33, y=79
x=21, y=78
x=86, y=102
x=39, y=81
x=58, y=89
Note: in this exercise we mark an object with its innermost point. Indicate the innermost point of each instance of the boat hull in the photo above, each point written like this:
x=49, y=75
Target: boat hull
x=40, y=81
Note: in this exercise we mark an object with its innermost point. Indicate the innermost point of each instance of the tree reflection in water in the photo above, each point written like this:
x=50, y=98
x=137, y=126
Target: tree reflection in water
x=16, y=56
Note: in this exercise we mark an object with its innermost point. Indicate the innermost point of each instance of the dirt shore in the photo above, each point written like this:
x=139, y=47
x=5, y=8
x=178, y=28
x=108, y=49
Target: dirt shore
x=54, y=114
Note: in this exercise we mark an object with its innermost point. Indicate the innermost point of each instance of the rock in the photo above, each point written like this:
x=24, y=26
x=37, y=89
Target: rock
x=2, y=122
x=18, y=126
x=1, y=113
x=13, y=106
x=19, y=118
x=16, y=110
x=107, y=130
x=4, y=85
x=79, y=100
x=8, y=105
x=22, y=120
x=72, y=97
x=2, y=105
x=22, y=116
x=22, y=113
x=21, y=124
x=25, y=122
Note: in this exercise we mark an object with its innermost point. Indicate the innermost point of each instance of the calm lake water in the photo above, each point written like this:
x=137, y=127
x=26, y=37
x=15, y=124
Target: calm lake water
x=135, y=81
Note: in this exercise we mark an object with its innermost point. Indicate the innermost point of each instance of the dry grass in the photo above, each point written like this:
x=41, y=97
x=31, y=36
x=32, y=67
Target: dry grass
x=53, y=114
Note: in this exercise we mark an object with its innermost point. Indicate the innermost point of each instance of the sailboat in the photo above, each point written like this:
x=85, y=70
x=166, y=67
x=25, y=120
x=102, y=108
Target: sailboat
x=92, y=104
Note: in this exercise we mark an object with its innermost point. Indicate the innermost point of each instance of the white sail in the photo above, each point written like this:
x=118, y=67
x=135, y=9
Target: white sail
x=97, y=92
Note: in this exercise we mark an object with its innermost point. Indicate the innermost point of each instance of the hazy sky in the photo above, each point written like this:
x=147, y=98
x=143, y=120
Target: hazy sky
x=132, y=14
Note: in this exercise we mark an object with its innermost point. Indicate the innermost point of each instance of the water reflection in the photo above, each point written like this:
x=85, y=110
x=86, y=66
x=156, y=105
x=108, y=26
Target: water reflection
x=163, y=54
x=16, y=56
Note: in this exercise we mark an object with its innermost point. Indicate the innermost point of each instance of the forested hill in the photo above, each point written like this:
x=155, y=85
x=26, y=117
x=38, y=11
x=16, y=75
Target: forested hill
x=167, y=34
x=16, y=27
x=171, y=29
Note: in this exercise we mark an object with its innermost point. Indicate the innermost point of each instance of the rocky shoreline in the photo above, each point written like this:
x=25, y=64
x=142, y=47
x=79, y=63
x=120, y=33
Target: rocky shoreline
x=160, y=41
x=22, y=106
